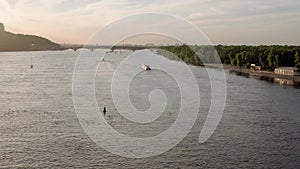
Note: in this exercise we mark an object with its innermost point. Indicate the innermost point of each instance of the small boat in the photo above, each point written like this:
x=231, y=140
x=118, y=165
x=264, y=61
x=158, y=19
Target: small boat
x=146, y=67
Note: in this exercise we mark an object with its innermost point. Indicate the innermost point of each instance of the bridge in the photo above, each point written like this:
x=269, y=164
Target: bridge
x=112, y=48
x=76, y=47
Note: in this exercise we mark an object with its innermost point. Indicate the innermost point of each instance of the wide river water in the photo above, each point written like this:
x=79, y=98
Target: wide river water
x=39, y=128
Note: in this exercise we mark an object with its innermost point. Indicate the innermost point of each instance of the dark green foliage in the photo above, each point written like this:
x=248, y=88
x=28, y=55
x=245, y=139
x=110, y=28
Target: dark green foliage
x=297, y=60
x=272, y=60
x=269, y=57
x=183, y=52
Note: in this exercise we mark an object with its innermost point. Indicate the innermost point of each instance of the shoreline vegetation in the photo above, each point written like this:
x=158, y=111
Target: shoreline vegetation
x=268, y=57
x=239, y=59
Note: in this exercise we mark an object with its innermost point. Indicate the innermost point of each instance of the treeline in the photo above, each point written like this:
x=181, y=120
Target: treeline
x=182, y=52
x=269, y=57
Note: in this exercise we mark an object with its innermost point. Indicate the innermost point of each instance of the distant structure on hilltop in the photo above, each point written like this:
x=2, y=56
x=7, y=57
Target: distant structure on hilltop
x=2, y=27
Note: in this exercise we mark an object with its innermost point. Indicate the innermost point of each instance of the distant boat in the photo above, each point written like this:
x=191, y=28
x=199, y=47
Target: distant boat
x=146, y=67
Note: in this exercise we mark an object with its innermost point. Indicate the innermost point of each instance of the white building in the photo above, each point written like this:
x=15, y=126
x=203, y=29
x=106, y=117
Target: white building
x=291, y=71
x=255, y=67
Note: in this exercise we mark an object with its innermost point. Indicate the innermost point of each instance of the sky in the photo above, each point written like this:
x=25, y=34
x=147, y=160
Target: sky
x=252, y=22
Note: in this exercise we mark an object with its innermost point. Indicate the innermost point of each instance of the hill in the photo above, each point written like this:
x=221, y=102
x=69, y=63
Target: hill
x=19, y=42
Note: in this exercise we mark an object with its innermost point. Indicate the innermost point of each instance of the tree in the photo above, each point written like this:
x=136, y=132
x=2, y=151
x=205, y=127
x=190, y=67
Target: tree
x=272, y=60
x=233, y=61
x=297, y=60
x=276, y=62
x=238, y=59
x=245, y=59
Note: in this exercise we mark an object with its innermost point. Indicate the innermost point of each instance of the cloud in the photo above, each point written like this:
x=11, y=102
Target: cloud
x=12, y=3
x=60, y=19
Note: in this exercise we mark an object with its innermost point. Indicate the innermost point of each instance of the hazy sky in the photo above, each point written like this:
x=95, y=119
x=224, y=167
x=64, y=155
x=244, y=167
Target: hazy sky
x=223, y=21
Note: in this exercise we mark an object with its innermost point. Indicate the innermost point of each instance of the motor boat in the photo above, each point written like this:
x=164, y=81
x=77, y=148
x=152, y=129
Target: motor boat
x=146, y=67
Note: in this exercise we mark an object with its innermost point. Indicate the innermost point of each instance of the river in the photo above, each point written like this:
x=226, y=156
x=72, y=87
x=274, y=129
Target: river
x=39, y=128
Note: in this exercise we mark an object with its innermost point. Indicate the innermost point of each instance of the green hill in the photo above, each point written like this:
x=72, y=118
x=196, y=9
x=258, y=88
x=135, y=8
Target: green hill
x=20, y=42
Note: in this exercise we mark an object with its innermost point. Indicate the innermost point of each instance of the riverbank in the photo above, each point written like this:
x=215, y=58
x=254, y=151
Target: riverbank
x=262, y=73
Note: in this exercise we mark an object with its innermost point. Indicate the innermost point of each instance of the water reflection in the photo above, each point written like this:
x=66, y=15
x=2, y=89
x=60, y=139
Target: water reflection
x=284, y=81
x=239, y=73
x=280, y=81
x=265, y=78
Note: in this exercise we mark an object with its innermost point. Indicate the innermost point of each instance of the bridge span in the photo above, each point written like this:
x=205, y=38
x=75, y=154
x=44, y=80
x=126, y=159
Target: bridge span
x=112, y=48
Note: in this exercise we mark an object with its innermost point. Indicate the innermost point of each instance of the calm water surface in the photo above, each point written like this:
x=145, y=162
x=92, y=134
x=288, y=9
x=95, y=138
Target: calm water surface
x=39, y=128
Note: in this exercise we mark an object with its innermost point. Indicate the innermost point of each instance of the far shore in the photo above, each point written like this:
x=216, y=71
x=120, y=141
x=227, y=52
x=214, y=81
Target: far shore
x=263, y=73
